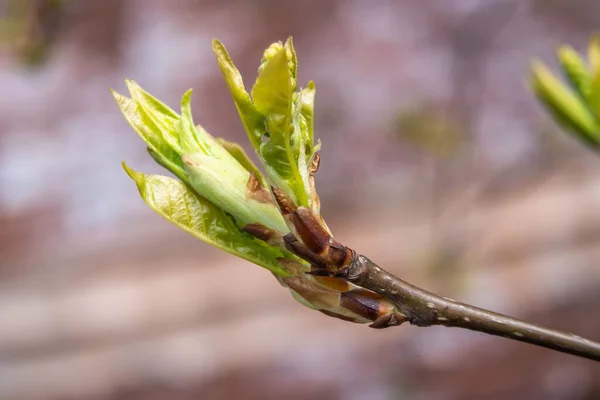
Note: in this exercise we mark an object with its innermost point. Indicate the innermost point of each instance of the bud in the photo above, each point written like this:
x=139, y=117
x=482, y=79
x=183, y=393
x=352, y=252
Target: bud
x=576, y=71
x=577, y=111
x=222, y=198
x=567, y=108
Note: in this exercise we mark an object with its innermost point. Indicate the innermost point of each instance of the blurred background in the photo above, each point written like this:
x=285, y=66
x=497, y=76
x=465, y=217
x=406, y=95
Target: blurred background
x=437, y=162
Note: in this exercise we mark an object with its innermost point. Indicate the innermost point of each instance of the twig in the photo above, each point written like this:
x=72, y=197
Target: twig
x=312, y=242
x=422, y=308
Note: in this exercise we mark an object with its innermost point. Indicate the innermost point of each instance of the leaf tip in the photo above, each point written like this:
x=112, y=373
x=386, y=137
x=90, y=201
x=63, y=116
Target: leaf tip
x=220, y=51
x=216, y=44
x=115, y=94
x=130, y=171
x=186, y=100
x=132, y=86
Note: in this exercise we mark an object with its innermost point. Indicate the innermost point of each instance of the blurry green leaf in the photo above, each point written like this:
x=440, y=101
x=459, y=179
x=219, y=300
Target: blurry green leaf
x=568, y=108
x=252, y=119
x=594, y=55
x=426, y=128
x=575, y=70
x=147, y=129
x=240, y=155
x=177, y=203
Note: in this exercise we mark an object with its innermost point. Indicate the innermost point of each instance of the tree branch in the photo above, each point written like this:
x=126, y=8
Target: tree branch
x=422, y=308
x=314, y=243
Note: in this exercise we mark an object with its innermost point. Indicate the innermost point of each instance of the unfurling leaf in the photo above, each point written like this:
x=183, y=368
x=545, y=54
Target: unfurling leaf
x=217, y=176
x=141, y=121
x=177, y=203
x=240, y=155
x=252, y=119
x=278, y=120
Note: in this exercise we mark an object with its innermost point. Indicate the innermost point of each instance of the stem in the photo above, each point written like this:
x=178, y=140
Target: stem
x=327, y=257
x=422, y=308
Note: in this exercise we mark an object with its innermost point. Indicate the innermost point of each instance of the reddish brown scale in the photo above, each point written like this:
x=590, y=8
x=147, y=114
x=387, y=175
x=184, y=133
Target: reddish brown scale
x=299, y=249
x=255, y=191
x=333, y=283
x=286, y=205
x=339, y=316
x=263, y=233
x=314, y=163
x=362, y=302
x=315, y=200
x=338, y=254
x=309, y=230
x=372, y=306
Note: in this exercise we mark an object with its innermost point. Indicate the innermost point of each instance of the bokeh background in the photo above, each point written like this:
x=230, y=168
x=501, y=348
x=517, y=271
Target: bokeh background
x=437, y=163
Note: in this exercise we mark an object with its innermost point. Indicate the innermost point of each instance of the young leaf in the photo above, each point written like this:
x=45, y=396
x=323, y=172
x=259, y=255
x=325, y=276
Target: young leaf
x=272, y=92
x=283, y=154
x=240, y=155
x=564, y=104
x=292, y=61
x=575, y=70
x=217, y=176
x=253, y=120
x=165, y=119
x=227, y=186
x=594, y=55
x=150, y=133
x=307, y=106
x=177, y=203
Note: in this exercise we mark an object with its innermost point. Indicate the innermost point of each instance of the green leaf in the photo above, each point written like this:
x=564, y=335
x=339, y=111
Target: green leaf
x=224, y=182
x=177, y=203
x=165, y=119
x=192, y=138
x=307, y=107
x=292, y=62
x=576, y=71
x=150, y=133
x=240, y=155
x=272, y=92
x=253, y=120
x=217, y=176
x=283, y=153
x=567, y=107
x=594, y=55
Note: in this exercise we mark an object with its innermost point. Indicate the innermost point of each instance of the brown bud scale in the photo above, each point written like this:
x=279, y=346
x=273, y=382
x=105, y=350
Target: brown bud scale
x=286, y=205
x=255, y=191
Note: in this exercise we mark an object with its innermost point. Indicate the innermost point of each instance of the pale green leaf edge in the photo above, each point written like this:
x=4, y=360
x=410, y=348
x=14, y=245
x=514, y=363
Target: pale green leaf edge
x=140, y=180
